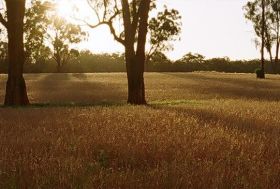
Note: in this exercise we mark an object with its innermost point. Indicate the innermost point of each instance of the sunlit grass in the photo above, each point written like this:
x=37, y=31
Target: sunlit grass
x=201, y=130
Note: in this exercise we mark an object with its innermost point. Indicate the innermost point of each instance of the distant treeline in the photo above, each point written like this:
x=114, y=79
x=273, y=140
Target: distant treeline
x=88, y=62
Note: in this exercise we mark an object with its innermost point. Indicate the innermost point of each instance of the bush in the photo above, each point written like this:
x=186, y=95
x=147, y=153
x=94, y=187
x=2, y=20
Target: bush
x=88, y=62
x=260, y=73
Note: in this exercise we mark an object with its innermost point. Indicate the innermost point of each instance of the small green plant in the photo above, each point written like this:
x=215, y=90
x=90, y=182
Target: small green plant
x=260, y=73
x=103, y=158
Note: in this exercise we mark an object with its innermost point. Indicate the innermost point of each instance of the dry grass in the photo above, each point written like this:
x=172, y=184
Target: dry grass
x=202, y=130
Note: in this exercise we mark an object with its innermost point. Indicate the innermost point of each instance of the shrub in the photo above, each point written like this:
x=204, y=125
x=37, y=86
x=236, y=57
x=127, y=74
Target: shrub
x=260, y=73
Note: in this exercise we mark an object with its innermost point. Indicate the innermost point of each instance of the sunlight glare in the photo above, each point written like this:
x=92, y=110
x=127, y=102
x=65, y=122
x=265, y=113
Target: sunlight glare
x=64, y=9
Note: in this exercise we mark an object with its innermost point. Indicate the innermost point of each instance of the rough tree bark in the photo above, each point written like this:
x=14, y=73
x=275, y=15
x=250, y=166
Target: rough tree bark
x=135, y=61
x=16, y=88
x=59, y=66
x=277, y=52
x=262, y=75
x=135, y=16
x=135, y=78
x=57, y=58
x=278, y=39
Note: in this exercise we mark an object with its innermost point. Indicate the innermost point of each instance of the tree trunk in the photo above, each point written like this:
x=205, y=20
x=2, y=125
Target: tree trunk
x=277, y=37
x=147, y=63
x=59, y=66
x=270, y=56
x=15, y=89
x=277, y=52
x=135, y=78
x=262, y=74
x=58, y=69
x=135, y=61
x=272, y=63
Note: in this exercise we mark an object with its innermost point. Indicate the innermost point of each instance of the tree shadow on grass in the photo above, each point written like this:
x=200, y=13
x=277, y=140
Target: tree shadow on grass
x=241, y=88
x=69, y=105
x=75, y=89
x=70, y=90
x=233, y=122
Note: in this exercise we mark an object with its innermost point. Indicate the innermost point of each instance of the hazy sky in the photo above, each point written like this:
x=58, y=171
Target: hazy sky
x=214, y=28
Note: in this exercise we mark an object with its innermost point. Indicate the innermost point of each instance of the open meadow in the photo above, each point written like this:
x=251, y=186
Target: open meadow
x=200, y=130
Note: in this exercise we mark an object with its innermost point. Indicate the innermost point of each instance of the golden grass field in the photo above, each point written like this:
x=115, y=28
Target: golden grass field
x=200, y=130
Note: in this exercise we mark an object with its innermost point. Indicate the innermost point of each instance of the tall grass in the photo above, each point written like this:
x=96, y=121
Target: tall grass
x=201, y=130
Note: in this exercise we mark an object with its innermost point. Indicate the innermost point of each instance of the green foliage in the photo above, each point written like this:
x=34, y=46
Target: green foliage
x=260, y=73
x=164, y=28
x=253, y=13
x=87, y=62
x=35, y=28
x=62, y=35
x=3, y=56
x=103, y=159
x=3, y=51
x=158, y=61
x=49, y=36
x=193, y=58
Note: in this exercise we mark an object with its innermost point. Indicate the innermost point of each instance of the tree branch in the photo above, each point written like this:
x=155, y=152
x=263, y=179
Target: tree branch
x=129, y=37
x=108, y=22
x=112, y=30
x=3, y=21
x=143, y=26
x=135, y=20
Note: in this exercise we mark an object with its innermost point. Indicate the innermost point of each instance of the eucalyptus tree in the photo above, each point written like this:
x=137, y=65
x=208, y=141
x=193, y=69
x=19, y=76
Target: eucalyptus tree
x=163, y=29
x=265, y=16
x=49, y=35
x=61, y=35
x=16, y=93
x=275, y=19
x=132, y=17
x=264, y=27
x=35, y=29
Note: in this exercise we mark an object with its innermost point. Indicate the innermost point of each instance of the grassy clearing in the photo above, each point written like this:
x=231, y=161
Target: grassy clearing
x=201, y=130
